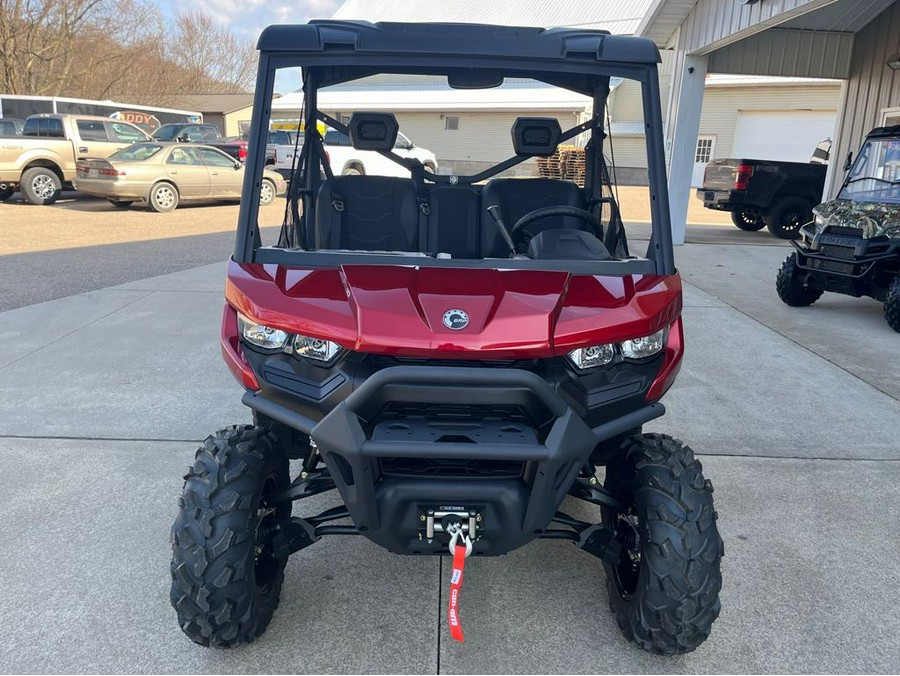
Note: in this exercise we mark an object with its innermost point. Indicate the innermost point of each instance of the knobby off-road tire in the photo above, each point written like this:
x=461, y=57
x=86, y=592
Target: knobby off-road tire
x=791, y=287
x=747, y=220
x=892, y=305
x=226, y=578
x=664, y=591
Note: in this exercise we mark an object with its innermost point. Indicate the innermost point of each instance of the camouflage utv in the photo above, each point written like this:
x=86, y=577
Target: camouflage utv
x=853, y=244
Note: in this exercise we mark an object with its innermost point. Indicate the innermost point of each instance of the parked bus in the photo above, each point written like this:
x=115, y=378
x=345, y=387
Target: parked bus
x=147, y=118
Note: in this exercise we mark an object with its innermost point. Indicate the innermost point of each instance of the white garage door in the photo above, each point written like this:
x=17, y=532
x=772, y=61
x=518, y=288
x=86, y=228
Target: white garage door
x=786, y=135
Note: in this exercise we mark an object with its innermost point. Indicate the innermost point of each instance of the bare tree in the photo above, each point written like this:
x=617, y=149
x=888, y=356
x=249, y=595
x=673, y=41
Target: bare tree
x=117, y=49
x=37, y=38
x=214, y=58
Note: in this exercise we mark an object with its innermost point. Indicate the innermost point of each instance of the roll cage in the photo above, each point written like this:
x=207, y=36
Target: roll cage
x=335, y=52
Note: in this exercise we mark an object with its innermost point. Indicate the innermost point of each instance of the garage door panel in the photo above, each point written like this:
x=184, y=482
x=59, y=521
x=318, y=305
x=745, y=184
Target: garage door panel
x=785, y=135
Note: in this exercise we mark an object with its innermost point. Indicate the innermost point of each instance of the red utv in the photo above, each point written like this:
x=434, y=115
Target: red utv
x=454, y=354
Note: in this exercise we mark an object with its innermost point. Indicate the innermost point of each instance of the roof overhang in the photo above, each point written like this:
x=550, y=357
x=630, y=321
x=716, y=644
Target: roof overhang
x=662, y=20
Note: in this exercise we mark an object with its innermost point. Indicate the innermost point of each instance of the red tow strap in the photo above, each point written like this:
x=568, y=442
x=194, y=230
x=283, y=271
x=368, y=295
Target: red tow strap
x=456, y=578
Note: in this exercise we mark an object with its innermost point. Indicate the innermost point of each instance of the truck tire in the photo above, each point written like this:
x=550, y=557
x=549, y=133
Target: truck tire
x=163, y=197
x=353, y=170
x=267, y=193
x=892, y=305
x=40, y=185
x=6, y=191
x=747, y=220
x=792, y=288
x=787, y=216
x=226, y=578
x=664, y=591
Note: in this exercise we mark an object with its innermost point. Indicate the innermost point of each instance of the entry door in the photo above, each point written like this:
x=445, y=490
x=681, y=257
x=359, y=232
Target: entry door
x=706, y=149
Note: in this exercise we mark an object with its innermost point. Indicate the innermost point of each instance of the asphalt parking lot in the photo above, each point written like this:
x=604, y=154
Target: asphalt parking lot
x=105, y=392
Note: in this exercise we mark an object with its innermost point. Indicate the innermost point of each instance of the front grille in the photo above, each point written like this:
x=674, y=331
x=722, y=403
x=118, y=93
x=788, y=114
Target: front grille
x=838, y=251
x=452, y=469
x=455, y=412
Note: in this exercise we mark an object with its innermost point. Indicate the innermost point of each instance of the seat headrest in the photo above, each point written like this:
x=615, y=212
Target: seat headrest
x=373, y=131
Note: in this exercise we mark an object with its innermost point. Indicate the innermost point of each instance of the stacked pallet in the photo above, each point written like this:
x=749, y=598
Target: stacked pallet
x=566, y=163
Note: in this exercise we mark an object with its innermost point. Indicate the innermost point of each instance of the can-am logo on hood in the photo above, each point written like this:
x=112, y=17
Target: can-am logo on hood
x=456, y=319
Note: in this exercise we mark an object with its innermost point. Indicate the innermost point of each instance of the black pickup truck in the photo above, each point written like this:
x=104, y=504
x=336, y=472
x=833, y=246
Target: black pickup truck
x=764, y=193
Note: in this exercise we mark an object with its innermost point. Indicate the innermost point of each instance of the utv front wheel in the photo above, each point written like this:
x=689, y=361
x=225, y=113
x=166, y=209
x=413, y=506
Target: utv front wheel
x=892, y=305
x=226, y=575
x=792, y=287
x=664, y=590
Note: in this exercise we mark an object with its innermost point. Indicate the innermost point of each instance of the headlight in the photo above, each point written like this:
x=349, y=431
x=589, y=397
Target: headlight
x=260, y=334
x=315, y=348
x=641, y=348
x=596, y=355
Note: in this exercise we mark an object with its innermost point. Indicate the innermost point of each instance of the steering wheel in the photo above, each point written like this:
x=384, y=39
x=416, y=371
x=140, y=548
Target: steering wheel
x=520, y=228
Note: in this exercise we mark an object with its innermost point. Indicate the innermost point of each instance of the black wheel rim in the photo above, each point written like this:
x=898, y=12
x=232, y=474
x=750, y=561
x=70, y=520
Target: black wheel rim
x=792, y=220
x=265, y=563
x=627, y=570
x=748, y=218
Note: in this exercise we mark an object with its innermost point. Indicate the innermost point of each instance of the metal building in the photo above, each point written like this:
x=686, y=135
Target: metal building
x=854, y=41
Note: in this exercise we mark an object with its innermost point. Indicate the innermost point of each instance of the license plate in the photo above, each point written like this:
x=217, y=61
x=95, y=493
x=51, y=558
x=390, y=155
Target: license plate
x=93, y=173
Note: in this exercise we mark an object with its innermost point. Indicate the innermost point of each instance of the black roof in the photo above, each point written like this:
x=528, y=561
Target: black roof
x=466, y=41
x=885, y=132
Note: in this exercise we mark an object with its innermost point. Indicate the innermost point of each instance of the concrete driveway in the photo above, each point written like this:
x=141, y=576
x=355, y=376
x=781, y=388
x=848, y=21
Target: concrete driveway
x=795, y=414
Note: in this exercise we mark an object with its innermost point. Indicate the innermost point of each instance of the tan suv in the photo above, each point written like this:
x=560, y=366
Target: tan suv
x=41, y=162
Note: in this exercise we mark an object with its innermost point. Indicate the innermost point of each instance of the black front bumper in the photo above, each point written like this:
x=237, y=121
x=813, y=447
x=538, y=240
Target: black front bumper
x=840, y=261
x=399, y=448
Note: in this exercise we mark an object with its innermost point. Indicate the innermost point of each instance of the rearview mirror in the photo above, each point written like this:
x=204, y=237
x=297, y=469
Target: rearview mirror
x=475, y=79
x=848, y=164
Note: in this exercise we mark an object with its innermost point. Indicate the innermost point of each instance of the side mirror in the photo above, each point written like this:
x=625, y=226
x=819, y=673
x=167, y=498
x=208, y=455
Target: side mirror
x=848, y=163
x=237, y=165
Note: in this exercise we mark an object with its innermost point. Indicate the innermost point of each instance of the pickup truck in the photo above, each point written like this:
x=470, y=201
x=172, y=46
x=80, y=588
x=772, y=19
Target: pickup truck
x=763, y=193
x=209, y=135
x=41, y=162
x=344, y=159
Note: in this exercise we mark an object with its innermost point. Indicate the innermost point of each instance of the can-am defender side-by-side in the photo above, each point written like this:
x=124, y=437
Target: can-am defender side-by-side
x=853, y=245
x=456, y=355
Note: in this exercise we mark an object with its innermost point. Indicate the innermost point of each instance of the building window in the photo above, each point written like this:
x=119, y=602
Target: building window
x=451, y=123
x=704, y=150
x=890, y=117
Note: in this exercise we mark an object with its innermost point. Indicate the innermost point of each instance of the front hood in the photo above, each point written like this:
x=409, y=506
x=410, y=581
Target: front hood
x=400, y=309
x=872, y=218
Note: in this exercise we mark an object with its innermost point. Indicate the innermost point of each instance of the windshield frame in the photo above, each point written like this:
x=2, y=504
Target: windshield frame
x=881, y=183
x=579, y=74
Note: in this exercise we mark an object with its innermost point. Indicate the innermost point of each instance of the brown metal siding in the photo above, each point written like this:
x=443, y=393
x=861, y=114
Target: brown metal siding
x=714, y=20
x=791, y=53
x=872, y=86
